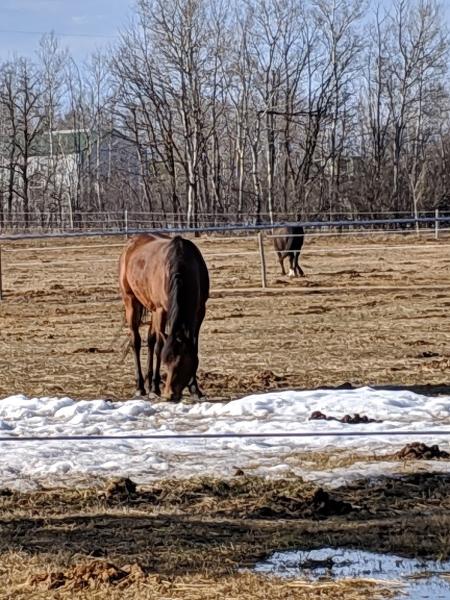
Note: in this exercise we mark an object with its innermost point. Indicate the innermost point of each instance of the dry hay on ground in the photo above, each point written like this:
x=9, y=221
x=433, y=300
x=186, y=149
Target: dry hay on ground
x=365, y=314
x=188, y=539
x=372, y=310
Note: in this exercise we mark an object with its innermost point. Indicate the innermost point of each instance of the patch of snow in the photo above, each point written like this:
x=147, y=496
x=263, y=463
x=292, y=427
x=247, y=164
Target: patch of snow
x=27, y=464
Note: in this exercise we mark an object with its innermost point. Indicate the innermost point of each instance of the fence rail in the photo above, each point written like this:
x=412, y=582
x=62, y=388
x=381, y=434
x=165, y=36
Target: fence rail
x=362, y=223
x=218, y=436
x=51, y=222
x=363, y=226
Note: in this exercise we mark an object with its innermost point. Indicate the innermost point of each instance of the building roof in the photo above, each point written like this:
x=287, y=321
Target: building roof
x=65, y=141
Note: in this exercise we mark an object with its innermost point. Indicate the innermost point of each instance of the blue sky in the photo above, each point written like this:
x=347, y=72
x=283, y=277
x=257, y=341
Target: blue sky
x=88, y=24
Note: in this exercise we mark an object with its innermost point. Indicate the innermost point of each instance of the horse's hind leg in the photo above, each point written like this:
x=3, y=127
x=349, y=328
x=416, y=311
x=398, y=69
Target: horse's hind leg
x=281, y=261
x=194, y=390
x=133, y=313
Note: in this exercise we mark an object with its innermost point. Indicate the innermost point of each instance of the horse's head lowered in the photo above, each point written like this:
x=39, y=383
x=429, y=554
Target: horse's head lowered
x=181, y=361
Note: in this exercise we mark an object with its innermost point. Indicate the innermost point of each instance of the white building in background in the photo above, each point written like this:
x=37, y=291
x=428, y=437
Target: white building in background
x=69, y=167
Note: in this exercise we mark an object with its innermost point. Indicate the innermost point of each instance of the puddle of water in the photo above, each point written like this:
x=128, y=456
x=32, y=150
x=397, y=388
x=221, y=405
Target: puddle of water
x=419, y=579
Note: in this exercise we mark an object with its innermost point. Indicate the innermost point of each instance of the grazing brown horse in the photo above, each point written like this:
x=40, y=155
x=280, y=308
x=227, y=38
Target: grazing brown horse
x=168, y=277
x=290, y=245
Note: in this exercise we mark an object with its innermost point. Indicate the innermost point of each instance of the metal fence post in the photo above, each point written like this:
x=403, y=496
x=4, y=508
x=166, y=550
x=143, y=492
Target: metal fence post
x=436, y=224
x=263, y=259
x=125, y=222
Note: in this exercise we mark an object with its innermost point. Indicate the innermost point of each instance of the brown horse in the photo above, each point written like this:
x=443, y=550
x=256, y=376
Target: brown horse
x=288, y=244
x=168, y=277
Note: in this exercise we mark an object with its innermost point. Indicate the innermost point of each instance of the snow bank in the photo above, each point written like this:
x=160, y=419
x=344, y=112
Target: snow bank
x=28, y=464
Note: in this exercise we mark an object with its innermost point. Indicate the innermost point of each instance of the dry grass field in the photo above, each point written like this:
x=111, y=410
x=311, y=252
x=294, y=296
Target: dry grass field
x=371, y=310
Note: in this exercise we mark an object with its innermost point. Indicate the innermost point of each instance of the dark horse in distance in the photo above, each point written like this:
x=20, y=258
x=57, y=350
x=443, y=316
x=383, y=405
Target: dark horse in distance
x=168, y=277
x=289, y=245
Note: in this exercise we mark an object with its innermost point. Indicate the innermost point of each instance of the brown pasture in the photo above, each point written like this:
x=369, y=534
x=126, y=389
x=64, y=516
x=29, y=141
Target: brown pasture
x=371, y=310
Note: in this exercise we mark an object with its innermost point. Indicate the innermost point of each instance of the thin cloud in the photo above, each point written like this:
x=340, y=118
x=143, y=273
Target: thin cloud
x=79, y=19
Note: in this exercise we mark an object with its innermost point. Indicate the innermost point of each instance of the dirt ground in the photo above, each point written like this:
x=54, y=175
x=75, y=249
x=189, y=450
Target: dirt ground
x=371, y=310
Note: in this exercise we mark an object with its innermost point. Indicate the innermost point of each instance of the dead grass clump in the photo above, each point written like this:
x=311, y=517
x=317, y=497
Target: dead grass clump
x=87, y=575
x=318, y=505
x=120, y=488
x=243, y=496
x=215, y=382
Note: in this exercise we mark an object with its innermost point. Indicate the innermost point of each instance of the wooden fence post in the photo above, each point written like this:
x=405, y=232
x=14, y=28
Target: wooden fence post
x=263, y=260
x=1, y=278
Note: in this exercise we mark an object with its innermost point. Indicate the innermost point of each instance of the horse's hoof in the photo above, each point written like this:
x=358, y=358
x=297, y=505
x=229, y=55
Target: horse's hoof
x=197, y=395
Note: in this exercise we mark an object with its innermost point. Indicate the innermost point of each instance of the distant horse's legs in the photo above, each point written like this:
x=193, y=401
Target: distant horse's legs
x=297, y=268
x=159, y=330
x=281, y=261
x=292, y=271
x=133, y=313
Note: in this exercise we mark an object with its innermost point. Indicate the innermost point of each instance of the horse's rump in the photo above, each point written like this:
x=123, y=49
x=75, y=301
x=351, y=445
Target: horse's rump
x=151, y=266
x=141, y=270
x=290, y=240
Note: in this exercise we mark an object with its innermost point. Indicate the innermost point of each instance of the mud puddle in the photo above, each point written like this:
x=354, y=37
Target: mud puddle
x=415, y=578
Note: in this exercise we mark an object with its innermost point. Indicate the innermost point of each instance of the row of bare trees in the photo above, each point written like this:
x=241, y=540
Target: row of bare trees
x=247, y=110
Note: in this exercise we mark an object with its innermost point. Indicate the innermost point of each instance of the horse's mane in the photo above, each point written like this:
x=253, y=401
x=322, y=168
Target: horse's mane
x=175, y=294
x=177, y=307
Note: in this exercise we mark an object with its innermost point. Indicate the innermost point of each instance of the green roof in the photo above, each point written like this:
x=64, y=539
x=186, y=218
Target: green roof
x=69, y=141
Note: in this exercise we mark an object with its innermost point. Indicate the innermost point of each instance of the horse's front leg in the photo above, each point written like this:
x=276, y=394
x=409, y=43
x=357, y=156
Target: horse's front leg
x=159, y=330
x=298, y=269
x=281, y=261
x=193, y=388
x=151, y=342
x=156, y=381
x=292, y=271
